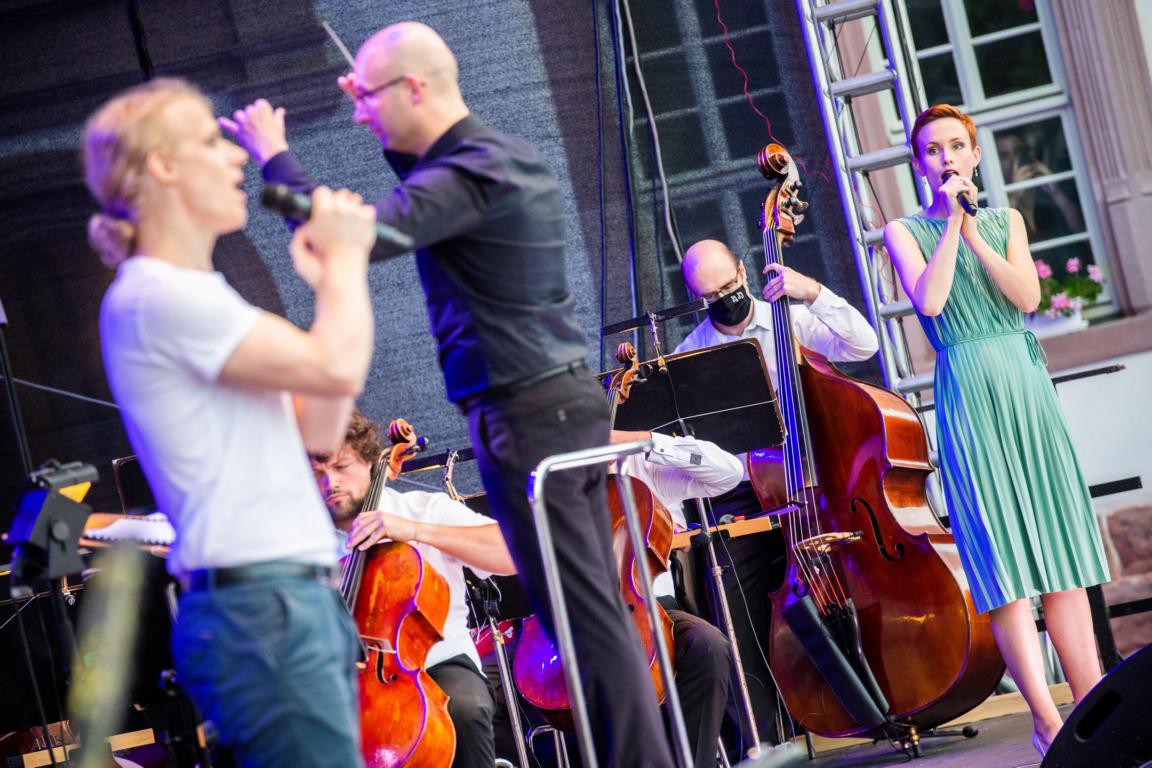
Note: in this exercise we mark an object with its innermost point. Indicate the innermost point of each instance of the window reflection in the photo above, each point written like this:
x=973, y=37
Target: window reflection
x=1035, y=151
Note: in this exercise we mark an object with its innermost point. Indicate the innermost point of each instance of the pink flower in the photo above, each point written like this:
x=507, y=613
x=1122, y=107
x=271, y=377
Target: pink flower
x=1094, y=274
x=1073, y=266
x=1043, y=270
x=1060, y=300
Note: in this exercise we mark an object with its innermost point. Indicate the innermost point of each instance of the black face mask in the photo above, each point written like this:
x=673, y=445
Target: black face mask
x=731, y=308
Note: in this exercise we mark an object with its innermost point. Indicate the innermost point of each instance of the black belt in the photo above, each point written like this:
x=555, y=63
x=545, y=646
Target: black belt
x=508, y=390
x=215, y=578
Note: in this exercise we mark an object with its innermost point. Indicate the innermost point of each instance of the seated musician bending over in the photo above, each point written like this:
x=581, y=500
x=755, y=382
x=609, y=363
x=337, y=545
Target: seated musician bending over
x=678, y=469
x=449, y=536
x=675, y=470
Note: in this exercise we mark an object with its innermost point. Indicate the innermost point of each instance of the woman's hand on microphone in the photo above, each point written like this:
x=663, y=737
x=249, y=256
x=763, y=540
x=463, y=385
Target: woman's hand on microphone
x=948, y=192
x=341, y=228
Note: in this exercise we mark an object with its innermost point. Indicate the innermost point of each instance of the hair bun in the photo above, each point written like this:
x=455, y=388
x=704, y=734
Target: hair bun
x=111, y=237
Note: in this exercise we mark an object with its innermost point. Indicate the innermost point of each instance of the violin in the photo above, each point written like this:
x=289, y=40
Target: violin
x=873, y=630
x=400, y=604
x=537, y=670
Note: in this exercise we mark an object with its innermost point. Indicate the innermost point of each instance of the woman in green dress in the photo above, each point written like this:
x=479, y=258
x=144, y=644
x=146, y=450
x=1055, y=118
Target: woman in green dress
x=1019, y=507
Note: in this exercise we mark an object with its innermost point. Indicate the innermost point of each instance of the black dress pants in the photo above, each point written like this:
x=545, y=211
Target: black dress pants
x=753, y=566
x=703, y=677
x=471, y=705
x=510, y=436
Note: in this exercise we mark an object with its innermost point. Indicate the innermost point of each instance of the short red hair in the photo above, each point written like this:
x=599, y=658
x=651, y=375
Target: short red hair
x=939, y=112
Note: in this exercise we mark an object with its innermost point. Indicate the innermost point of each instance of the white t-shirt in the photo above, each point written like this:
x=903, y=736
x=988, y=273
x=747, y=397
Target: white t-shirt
x=226, y=463
x=440, y=509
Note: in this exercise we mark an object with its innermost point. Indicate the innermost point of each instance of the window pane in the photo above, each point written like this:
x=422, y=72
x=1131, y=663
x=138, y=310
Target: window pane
x=656, y=25
x=736, y=16
x=746, y=132
x=940, y=83
x=986, y=16
x=1013, y=64
x=927, y=22
x=668, y=83
x=755, y=55
x=1072, y=282
x=1033, y=149
x=1050, y=210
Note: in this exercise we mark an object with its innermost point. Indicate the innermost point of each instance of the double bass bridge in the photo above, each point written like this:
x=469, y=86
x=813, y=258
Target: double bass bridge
x=824, y=543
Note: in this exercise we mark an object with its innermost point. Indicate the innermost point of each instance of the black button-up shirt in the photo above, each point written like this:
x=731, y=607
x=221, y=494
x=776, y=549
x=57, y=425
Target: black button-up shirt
x=486, y=214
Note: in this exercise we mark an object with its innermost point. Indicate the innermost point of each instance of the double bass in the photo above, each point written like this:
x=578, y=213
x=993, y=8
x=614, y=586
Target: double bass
x=874, y=632
x=400, y=604
x=537, y=669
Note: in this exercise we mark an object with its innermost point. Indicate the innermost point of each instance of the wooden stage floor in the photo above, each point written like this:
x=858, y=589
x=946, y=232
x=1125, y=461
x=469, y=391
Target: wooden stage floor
x=1004, y=741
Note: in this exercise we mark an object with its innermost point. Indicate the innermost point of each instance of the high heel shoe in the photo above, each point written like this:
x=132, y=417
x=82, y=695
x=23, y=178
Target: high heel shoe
x=1038, y=742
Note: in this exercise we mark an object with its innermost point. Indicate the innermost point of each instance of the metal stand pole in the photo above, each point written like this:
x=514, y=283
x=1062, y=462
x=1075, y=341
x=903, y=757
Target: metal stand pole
x=728, y=627
x=506, y=682
x=564, y=644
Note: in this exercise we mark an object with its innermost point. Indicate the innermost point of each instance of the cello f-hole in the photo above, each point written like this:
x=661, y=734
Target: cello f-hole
x=897, y=552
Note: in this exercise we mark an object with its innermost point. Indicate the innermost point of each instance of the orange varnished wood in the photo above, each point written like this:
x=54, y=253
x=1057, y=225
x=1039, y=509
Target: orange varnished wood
x=400, y=610
x=933, y=655
x=400, y=604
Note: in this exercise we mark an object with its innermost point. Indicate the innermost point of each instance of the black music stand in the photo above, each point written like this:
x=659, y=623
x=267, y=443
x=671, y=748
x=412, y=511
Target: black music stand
x=722, y=394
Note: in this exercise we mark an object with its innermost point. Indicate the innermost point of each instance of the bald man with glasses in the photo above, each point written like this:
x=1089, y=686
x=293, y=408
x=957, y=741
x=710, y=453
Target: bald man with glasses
x=487, y=217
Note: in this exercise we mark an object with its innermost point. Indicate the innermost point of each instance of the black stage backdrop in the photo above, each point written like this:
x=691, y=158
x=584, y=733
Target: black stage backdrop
x=527, y=66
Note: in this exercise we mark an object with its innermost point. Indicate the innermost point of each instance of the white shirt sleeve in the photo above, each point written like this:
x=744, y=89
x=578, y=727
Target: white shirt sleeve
x=680, y=468
x=197, y=326
x=833, y=328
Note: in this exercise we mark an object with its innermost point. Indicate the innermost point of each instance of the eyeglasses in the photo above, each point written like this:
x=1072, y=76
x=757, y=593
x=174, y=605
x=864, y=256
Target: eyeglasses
x=361, y=94
x=726, y=289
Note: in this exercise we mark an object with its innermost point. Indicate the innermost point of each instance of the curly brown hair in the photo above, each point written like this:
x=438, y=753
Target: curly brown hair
x=362, y=436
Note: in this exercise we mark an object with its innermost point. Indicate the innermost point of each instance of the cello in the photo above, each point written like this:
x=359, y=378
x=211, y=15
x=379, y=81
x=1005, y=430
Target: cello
x=873, y=632
x=400, y=604
x=537, y=669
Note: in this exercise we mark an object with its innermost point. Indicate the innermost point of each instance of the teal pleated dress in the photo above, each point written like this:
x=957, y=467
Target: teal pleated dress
x=1017, y=501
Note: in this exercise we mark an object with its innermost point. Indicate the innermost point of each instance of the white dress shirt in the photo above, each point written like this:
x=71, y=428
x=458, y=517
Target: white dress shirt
x=829, y=326
x=439, y=508
x=678, y=469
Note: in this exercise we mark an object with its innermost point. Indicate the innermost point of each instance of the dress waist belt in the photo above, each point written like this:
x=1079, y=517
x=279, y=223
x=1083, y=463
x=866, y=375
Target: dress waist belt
x=1035, y=351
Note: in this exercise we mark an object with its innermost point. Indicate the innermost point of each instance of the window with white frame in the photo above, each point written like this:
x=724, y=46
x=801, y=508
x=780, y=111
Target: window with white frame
x=999, y=60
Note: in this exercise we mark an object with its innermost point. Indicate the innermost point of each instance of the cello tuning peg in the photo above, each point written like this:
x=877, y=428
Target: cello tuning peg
x=799, y=206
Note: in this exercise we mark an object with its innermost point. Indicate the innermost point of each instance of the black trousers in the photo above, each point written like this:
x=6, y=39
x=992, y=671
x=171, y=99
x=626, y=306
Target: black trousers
x=703, y=678
x=703, y=662
x=510, y=436
x=471, y=705
x=753, y=567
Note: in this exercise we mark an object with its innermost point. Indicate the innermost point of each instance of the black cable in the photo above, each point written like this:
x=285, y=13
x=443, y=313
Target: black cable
x=35, y=686
x=140, y=38
x=621, y=88
x=600, y=175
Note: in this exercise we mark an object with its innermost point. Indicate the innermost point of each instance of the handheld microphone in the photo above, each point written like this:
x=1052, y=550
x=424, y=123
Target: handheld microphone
x=298, y=207
x=965, y=202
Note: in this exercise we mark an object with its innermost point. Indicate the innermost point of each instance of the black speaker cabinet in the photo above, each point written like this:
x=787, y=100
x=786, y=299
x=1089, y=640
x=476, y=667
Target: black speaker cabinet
x=1112, y=726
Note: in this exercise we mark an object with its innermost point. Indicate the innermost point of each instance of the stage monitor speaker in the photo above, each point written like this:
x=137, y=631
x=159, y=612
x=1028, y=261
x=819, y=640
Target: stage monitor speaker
x=1112, y=726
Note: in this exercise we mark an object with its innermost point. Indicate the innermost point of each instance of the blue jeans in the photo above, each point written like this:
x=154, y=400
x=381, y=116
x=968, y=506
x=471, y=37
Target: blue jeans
x=272, y=664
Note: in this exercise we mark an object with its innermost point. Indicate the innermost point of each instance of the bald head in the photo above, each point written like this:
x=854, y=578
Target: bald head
x=708, y=266
x=409, y=48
